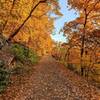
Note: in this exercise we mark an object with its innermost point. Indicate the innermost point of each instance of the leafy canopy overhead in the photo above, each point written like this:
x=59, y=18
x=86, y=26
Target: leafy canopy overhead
x=28, y=20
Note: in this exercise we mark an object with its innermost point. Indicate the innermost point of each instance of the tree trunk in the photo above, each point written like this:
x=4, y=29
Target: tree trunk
x=83, y=43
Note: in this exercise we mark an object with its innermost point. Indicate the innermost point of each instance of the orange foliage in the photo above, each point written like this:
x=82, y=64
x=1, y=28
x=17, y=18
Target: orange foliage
x=28, y=22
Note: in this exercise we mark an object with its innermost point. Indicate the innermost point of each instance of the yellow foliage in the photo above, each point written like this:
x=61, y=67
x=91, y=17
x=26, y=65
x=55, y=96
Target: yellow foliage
x=35, y=32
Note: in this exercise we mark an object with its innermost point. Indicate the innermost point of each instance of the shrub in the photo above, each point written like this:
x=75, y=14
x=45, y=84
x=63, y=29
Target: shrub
x=71, y=67
x=1, y=63
x=18, y=68
x=33, y=57
x=24, y=54
x=19, y=51
x=4, y=78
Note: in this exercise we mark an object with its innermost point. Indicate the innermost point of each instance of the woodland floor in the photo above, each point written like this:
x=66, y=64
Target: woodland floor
x=50, y=80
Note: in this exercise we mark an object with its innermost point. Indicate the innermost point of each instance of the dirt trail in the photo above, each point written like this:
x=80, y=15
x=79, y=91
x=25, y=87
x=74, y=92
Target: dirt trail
x=50, y=80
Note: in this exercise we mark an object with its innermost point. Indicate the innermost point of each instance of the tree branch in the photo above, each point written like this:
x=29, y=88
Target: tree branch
x=17, y=30
x=93, y=7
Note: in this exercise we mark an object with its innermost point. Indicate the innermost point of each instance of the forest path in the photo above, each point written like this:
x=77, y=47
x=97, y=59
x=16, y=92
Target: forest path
x=50, y=80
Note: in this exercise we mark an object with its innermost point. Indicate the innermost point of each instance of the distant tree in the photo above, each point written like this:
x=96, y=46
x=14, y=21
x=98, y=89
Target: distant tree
x=83, y=26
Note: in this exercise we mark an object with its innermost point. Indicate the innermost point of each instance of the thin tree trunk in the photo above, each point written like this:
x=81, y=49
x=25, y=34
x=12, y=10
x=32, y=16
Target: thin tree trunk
x=83, y=43
x=84, y=33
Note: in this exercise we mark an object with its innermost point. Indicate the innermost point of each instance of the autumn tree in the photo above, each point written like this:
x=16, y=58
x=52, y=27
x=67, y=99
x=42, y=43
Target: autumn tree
x=82, y=27
x=24, y=21
x=15, y=14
